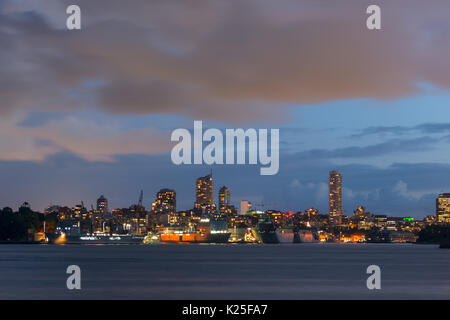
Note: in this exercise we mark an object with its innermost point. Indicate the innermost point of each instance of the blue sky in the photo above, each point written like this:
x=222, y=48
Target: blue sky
x=397, y=182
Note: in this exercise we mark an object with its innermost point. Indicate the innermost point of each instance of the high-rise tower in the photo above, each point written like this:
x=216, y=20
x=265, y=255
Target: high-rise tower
x=224, y=201
x=102, y=204
x=204, y=194
x=335, y=200
x=166, y=201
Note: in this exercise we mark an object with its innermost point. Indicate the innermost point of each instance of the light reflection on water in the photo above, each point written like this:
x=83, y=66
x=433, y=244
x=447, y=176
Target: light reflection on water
x=297, y=271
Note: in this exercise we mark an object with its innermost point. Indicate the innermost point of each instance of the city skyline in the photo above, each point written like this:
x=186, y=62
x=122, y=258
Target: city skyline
x=165, y=201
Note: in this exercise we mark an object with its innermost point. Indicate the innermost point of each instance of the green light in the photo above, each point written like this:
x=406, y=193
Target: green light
x=409, y=219
x=255, y=212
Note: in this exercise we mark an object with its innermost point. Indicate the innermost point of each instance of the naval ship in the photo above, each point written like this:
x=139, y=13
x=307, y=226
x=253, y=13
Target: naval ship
x=267, y=232
x=100, y=239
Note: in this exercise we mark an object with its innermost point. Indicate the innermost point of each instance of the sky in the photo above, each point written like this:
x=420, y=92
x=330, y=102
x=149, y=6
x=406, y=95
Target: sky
x=90, y=112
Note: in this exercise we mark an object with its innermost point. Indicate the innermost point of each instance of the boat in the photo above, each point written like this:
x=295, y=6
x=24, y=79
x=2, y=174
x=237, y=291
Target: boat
x=267, y=232
x=285, y=235
x=206, y=231
x=306, y=236
x=151, y=238
x=100, y=239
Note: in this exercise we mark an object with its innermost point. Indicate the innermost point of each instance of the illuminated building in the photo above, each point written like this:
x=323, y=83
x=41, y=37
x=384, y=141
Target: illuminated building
x=52, y=209
x=311, y=212
x=102, y=205
x=276, y=217
x=361, y=219
x=380, y=221
x=361, y=213
x=224, y=201
x=166, y=201
x=204, y=194
x=66, y=214
x=335, y=199
x=80, y=212
x=443, y=207
x=246, y=206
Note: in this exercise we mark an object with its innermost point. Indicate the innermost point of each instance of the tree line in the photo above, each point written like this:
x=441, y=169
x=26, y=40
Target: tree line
x=19, y=226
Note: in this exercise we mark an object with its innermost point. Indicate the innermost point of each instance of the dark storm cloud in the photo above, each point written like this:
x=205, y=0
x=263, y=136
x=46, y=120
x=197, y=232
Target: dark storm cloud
x=233, y=61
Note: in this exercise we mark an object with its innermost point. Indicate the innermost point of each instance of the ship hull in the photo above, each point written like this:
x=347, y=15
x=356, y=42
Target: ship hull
x=102, y=240
x=285, y=235
x=305, y=237
x=196, y=238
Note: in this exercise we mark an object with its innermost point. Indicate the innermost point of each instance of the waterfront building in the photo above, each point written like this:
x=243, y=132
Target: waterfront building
x=166, y=201
x=224, y=201
x=204, y=192
x=335, y=198
x=387, y=236
x=311, y=212
x=361, y=213
x=102, y=205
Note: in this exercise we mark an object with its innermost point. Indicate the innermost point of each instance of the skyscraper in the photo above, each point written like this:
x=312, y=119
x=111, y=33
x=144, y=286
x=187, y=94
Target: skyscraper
x=335, y=200
x=443, y=207
x=224, y=201
x=204, y=194
x=166, y=201
x=102, y=204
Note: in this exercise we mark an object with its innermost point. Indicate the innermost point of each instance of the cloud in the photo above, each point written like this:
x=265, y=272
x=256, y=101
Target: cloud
x=380, y=149
x=234, y=61
x=427, y=128
x=90, y=139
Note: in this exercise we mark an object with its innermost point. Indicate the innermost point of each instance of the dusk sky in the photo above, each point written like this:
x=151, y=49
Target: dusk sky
x=90, y=112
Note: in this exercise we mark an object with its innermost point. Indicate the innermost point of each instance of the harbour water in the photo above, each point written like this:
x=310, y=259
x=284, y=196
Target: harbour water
x=206, y=271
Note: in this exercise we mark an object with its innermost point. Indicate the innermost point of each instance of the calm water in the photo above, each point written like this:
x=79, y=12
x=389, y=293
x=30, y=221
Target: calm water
x=301, y=271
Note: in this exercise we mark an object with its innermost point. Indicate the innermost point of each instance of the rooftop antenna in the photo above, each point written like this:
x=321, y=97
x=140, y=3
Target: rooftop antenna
x=141, y=198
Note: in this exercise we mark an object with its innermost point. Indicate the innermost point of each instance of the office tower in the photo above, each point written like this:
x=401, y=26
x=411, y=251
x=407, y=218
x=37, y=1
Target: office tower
x=204, y=194
x=224, y=201
x=443, y=207
x=166, y=201
x=246, y=206
x=102, y=204
x=335, y=200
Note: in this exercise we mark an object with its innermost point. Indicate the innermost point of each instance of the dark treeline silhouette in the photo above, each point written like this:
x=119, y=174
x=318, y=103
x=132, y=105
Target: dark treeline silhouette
x=432, y=233
x=20, y=226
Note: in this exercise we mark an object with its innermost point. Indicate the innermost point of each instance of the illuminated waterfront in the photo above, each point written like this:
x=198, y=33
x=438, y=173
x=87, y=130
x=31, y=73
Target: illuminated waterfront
x=188, y=271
